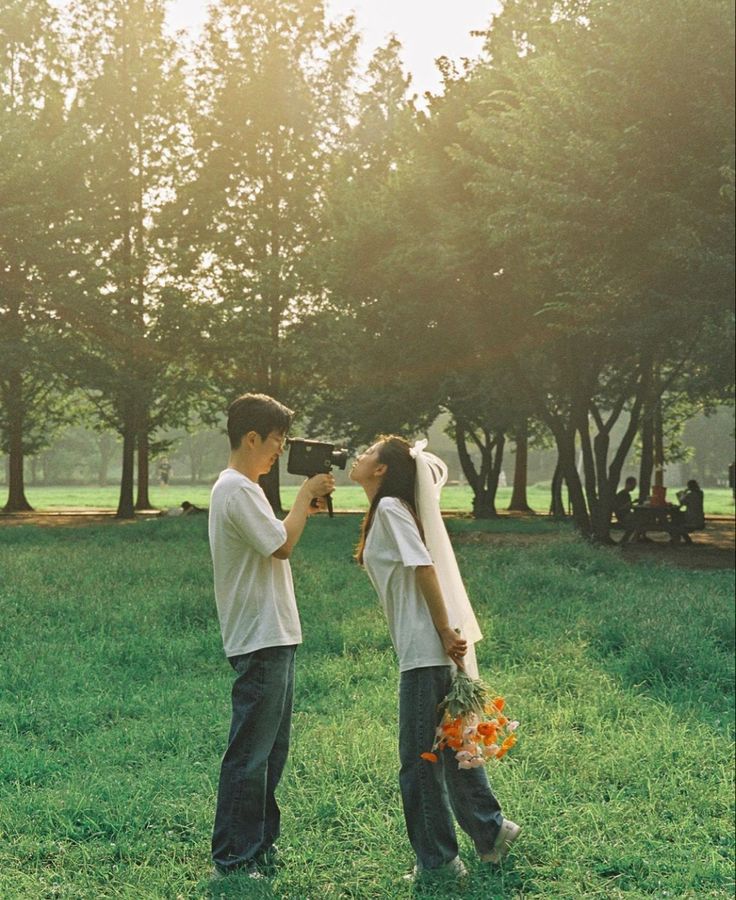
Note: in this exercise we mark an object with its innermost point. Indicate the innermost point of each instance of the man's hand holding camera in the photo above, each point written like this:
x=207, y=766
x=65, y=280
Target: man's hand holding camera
x=310, y=498
x=312, y=458
x=316, y=490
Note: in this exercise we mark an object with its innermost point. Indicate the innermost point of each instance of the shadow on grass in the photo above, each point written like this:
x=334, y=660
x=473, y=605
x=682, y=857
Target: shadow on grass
x=483, y=882
x=240, y=885
x=463, y=526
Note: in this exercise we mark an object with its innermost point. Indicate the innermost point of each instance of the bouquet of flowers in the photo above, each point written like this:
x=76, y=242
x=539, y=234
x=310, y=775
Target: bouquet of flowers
x=473, y=724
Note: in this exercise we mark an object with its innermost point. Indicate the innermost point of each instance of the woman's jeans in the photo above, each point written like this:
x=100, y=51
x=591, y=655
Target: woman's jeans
x=431, y=792
x=247, y=817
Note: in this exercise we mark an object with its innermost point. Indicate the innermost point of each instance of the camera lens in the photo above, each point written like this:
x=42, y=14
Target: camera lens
x=340, y=458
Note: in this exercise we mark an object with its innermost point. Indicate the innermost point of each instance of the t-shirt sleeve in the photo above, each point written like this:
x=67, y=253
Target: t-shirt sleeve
x=403, y=534
x=255, y=521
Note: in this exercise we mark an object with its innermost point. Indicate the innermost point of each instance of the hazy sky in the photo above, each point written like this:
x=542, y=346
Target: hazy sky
x=426, y=28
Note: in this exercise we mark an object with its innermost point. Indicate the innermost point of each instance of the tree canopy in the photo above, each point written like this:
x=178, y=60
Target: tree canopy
x=544, y=247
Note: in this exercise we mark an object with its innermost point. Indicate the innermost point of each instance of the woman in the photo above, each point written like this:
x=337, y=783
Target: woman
x=691, y=516
x=424, y=605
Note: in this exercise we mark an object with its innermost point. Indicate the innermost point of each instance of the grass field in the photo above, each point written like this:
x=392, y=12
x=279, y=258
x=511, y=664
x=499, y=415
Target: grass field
x=718, y=501
x=114, y=709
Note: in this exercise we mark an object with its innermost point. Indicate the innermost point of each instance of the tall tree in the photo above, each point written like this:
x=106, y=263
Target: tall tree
x=538, y=202
x=415, y=281
x=272, y=99
x=35, y=178
x=133, y=316
x=621, y=251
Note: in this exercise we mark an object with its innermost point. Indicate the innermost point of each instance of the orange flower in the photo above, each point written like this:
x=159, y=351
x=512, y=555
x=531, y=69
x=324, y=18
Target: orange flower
x=473, y=736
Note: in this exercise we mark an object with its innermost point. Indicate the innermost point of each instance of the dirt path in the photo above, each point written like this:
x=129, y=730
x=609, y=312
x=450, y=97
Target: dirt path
x=72, y=516
x=713, y=548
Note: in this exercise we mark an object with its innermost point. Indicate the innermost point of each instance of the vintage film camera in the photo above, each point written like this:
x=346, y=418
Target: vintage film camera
x=315, y=458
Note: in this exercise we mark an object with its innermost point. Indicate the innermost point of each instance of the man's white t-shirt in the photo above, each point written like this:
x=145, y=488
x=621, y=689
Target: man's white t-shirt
x=254, y=590
x=393, y=550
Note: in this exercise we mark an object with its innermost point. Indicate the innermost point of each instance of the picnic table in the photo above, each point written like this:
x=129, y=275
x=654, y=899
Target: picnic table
x=646, y=517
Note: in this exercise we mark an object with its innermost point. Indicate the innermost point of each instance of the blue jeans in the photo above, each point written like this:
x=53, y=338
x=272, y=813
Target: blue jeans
x=432, y=792
x=247, y=817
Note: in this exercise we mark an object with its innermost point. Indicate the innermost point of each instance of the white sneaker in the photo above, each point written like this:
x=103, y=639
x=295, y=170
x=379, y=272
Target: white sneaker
x=507, y=834
x=217, y=874
x=454, y=868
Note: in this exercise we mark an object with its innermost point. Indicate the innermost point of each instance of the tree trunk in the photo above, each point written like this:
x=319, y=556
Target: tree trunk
x=484, y=504
x=518, y=495
x=588, y=460
x=565, y=440
x=556, y=503
x=105, y=444
x=16, y=501
x=484, y=483
x=271, y=484
x=647, y=455
x=142, y=500
x=600, y=509
x=192, y=460
x=47, y=468
x=495, y=447
x=126, y=509
x=196, y=450
x=658, y=446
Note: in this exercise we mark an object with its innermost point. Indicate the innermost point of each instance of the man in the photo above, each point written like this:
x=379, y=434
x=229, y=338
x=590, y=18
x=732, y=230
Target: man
x=260, y=629
x=624, y=502
x=623, y=509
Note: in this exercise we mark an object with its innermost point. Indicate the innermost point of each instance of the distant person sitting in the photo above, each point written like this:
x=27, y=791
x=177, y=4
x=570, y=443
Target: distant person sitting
x=185, y=509
x=690, y=516
x=624, y=502
x=189, y=509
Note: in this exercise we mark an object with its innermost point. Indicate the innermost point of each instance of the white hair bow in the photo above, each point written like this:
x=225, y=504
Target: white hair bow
x=418, y=447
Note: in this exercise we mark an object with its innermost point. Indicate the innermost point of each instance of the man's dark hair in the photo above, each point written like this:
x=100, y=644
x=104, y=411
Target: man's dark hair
x=630, y=481
x=259, y=413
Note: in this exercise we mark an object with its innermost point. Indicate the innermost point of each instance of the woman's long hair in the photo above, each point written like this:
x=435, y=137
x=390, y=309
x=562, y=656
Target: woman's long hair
x=399, y=481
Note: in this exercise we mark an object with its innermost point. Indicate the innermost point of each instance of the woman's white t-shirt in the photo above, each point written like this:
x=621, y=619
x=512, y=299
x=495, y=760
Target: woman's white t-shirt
x=254, y=590
x=393, y=550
